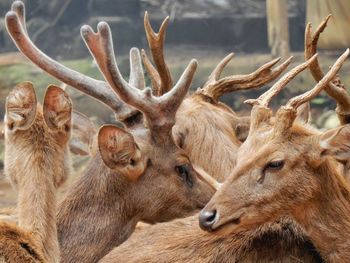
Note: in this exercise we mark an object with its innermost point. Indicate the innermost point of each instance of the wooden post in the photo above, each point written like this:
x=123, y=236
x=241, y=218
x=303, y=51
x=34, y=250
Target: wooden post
x=277, y=27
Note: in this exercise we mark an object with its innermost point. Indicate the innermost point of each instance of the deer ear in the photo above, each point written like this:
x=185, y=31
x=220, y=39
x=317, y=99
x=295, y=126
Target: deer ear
x=83, y=137
x=336, y=142
x=242, y=128
x=303, y=113
x=57, y=109
x=21, y=106
x=120, y=152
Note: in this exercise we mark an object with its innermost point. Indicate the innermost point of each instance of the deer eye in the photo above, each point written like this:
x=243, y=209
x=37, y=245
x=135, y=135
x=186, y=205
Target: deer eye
x=275, y=165
x=183, y=172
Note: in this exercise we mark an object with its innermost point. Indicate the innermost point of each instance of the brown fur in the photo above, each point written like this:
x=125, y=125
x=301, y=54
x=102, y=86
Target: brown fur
x=210, y=131
x=102, y=207
x=183, y=241
x=17, y=245
x=309, y=187
x=37, y=162
x=134, y=176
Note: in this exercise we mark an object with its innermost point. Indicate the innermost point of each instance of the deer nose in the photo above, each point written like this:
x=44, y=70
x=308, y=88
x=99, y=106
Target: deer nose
x=207, y=219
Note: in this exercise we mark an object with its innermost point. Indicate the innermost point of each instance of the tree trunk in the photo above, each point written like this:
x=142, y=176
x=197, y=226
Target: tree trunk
x=277, y=27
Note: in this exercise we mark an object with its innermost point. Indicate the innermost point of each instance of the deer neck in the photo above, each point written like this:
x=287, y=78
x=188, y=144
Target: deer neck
x=37, y=197
x=96, y=215
x=327, y=218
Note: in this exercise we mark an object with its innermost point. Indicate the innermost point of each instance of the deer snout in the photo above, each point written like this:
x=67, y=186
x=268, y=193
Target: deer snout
x=207, y=219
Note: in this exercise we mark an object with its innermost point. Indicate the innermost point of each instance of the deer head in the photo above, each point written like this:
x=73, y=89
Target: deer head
x=277, y=166
x=203, y=123
x=139, y=153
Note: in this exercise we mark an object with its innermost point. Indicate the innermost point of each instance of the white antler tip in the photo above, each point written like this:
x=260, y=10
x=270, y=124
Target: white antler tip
x=103, y=28
x=11, y=16
x=85, y=31
x=17, y=5
x=194, y=63
x=134, y=50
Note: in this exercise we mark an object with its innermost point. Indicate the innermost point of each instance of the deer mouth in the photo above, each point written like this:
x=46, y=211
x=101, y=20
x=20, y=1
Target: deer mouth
x=233, y=221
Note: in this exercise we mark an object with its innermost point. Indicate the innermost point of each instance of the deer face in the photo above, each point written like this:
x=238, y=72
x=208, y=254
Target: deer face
x=267, y=169
x=275, y=176
x=35, y=131
x=161, y=175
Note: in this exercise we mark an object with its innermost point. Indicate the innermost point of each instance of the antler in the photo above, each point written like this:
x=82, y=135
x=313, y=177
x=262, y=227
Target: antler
x=216, y=87
x=286, y=115
x=335, y=88
x=297, y=101
x=261, y=112
x=15, y=23
x=159, y=111
x=266, y=97
x=161, y=78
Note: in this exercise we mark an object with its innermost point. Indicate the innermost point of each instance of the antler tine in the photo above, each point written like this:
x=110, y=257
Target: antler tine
x=311, y=47
x=261, y=76
x=19, y=9
x=159, y=111
x=267, y=75
x=156, y=44
x=333, y=89
x=15, y=23
x=215, y=74
x=136, y=78
x=152, y=72
x=297, y=101
x=266, y=97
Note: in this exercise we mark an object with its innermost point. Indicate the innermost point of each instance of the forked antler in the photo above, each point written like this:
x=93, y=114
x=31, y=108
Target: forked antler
x=216, y=87
x=100, y=90
x=161, y=78
x=287, y=114
x=159, y=111
x=334, y=88
x=266, y=97
x=323, y=83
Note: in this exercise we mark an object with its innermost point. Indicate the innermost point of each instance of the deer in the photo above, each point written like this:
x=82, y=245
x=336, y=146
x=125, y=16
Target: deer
x=138, y=172
x=186, y=242
x=284, y=168
x=130, y=117
x=202, y=118
x=37, y=162
x=209, y=111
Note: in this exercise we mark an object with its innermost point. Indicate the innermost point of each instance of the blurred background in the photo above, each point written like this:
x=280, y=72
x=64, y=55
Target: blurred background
x=255, y=30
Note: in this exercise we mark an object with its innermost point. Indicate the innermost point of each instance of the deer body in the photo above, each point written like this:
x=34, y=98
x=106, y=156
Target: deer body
x=37, y=163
